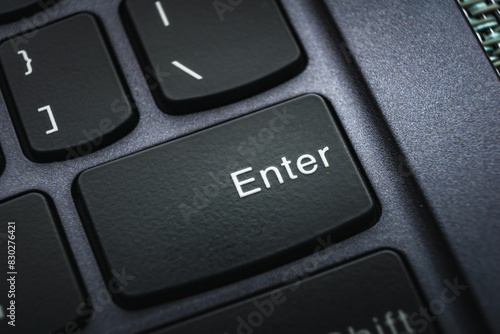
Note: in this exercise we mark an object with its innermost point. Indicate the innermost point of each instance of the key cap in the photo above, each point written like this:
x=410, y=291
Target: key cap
x=11, y=10
x=374, y=295
x=201, y=54
x=224, y=203
x=63, y=91
x=40, y=291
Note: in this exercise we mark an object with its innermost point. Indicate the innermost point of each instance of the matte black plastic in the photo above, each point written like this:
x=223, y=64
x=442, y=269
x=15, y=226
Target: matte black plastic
x=236, y=49
x=174, y=218
x=36, y=272
x=66, y=98
x=11, y=10
x=418, y=100
x=372, y=295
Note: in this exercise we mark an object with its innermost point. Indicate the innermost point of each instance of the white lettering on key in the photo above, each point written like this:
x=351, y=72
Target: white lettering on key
x=301, y=165
x=322, y=155
x=187, y=70
x=306, y=164
x=28, y=61
x=161, y=11
x=286, y=163
x=52, y=119
x=263, y=173
x=239, y=183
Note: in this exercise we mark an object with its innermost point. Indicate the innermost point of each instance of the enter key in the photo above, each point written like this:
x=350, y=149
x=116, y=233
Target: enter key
x=224, y=203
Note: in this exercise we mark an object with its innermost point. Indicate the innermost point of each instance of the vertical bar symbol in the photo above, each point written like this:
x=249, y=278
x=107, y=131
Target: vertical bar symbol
x=163, y=16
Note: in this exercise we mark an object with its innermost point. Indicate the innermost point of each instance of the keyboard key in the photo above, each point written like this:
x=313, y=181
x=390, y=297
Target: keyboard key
x=40, y=292
x=373, y=295
x=201, y=54
x=11, y=10
x=224, y=203
x=65, y=95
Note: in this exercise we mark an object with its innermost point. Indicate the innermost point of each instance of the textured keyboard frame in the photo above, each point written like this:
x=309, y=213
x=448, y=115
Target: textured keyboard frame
x=388, y=150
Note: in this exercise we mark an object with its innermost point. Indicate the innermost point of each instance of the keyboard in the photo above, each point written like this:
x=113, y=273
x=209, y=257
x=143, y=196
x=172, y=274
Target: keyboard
x=236, y=166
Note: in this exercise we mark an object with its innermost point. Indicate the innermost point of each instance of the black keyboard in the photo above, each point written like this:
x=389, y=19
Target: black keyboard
x=237, y=166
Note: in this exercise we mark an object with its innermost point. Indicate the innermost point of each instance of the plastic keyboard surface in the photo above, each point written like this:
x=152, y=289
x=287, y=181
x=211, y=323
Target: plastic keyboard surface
x=179, y=166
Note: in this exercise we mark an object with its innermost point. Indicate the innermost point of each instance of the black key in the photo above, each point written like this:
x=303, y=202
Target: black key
x=224, y=203
x=15, y=9
x=374, y=295
x=200, y=54
x=65, y=95
x=40, y=291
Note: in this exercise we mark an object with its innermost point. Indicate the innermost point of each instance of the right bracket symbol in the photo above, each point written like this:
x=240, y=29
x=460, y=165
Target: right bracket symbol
x=52, y=119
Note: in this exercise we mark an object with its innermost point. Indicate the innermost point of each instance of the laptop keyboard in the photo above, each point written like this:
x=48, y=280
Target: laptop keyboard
x=47, y=302
x=282, y=310
x=205, y=187
x=71, y=91
x=168, y=219
x=199, y=57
